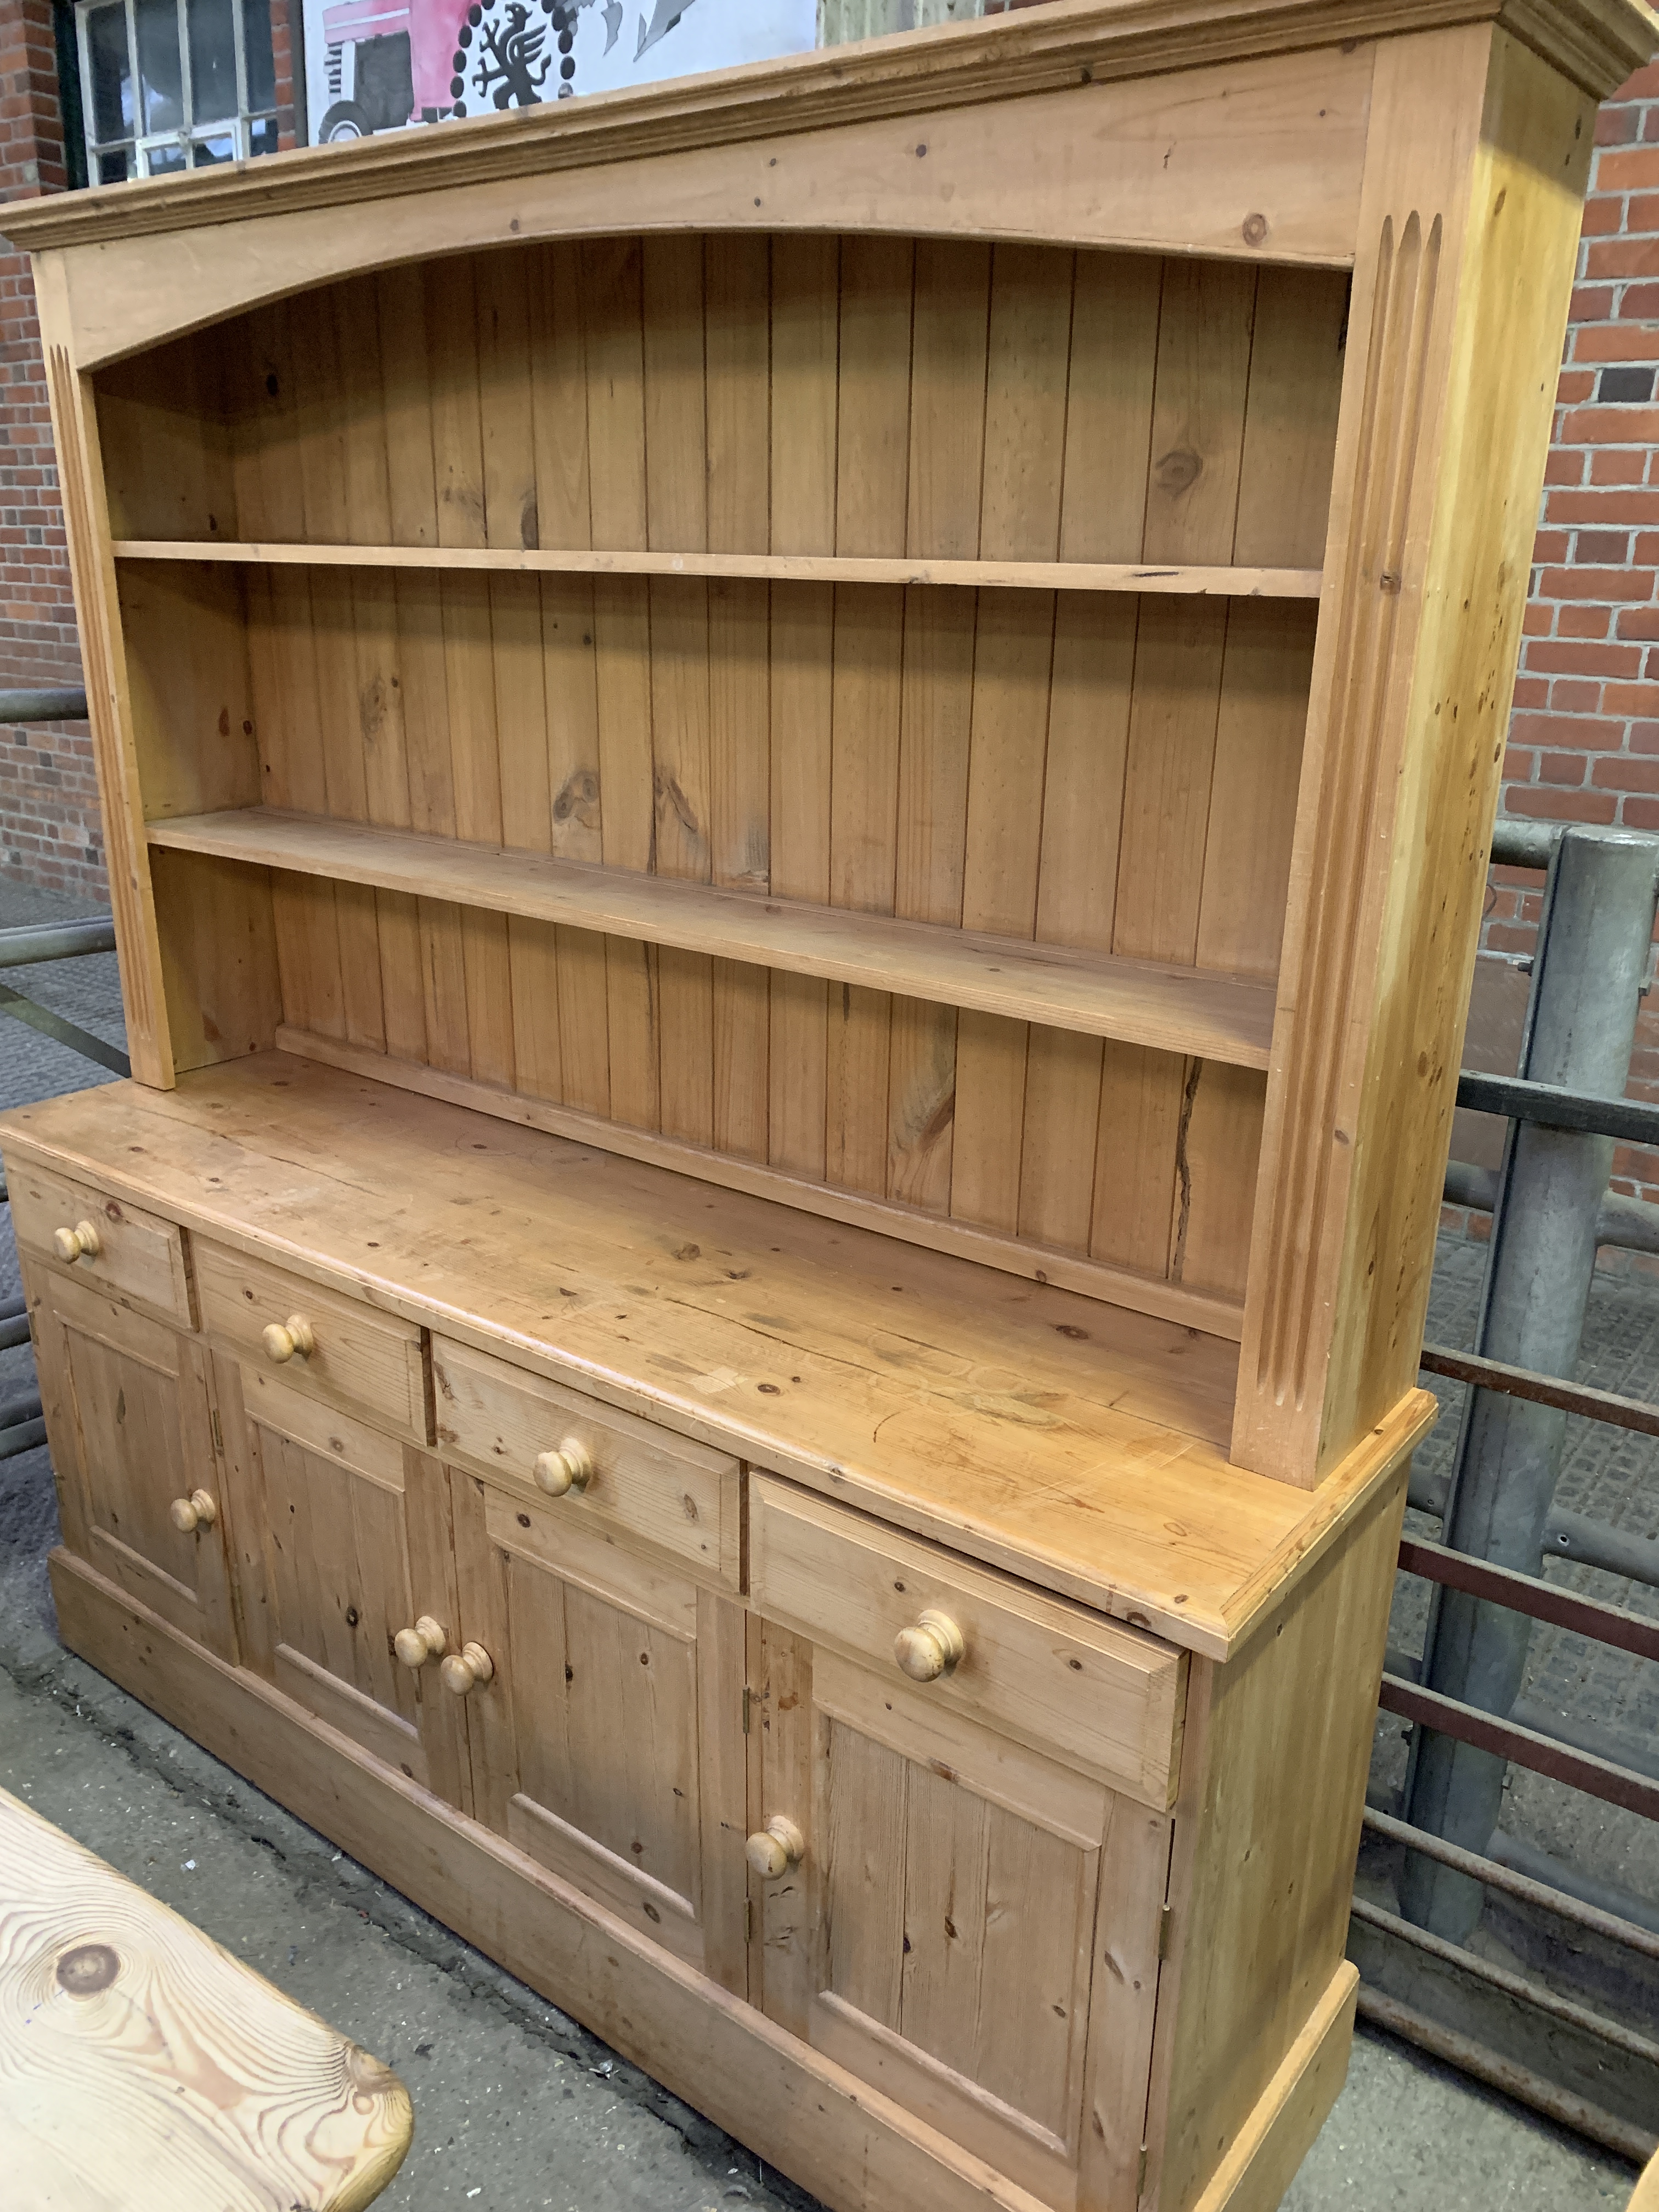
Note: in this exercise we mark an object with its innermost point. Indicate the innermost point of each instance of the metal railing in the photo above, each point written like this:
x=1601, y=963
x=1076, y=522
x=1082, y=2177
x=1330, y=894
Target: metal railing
x=21, y=1426
x=55, y=940
x=64, y=702
x=59, y=940
x=1470, y=1723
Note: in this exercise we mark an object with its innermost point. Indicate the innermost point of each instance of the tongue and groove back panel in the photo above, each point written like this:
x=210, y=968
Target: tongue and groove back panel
x=1093, y=769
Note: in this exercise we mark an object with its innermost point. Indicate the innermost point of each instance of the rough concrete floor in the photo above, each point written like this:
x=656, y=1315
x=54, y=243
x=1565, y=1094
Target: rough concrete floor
x=517, y=2108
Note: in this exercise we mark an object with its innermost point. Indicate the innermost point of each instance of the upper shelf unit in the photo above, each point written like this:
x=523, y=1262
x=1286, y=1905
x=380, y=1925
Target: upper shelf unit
x=1189, y=580
x=1170, y=1009
x=826, y=712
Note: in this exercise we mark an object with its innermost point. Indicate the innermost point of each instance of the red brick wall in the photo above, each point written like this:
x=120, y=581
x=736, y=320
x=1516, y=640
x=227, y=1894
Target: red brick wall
x=49, y=830
x=282, y=49
x=1584, y=741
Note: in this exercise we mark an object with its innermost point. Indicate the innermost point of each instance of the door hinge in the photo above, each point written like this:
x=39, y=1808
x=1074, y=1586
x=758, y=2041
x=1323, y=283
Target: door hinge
x=1140, y=2175
x=1165, y=1922
x=747, y=1695
x=218, y=1441
x=749, y=1920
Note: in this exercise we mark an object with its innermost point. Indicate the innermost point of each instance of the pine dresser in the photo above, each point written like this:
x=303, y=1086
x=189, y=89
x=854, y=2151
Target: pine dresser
x=797, y=772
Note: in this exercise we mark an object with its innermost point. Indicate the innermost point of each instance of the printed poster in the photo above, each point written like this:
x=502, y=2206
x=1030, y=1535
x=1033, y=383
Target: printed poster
x=376, y=65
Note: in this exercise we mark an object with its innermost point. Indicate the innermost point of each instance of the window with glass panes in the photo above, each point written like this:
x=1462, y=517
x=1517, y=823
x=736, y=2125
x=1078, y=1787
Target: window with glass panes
x=174, y=84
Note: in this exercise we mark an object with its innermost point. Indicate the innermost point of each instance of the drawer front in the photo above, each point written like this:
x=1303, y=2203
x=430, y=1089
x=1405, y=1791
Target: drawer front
x=1035, y=1668
x=638, y=1479
x=359, y=1359
x=132, y=1253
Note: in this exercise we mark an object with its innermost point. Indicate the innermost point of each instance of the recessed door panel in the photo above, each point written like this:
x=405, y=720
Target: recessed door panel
x=129, y=1415
x=608, y=1742
x=971, y=1926
x=350, y=1553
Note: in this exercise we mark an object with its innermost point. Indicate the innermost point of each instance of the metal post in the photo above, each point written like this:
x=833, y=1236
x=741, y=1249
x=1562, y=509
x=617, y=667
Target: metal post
x=1581, y=1024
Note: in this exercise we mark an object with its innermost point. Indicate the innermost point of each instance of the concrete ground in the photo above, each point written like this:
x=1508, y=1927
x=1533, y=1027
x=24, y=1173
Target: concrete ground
x=517, y=2108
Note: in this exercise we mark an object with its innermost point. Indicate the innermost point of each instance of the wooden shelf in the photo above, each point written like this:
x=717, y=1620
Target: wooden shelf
x=774, y=567
x=1211, y=1017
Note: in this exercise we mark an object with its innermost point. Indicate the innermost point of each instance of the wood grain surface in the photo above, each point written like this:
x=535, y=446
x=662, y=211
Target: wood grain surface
x=1599, y=42
x=799, y=2111
x=1188, y=581
x=1077, y=1444
x=144, y=2070
x=1169, y=1008
x=1180, y=167
x=801, y=772
x=647, y=733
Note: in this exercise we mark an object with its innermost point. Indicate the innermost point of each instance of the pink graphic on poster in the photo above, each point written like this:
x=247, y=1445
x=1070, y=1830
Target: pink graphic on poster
x=373, y=65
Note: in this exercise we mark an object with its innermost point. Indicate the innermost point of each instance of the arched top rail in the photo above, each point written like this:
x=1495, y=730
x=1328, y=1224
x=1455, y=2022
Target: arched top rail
x=1052, y=123
x=1257, y=161
x=1597, y=43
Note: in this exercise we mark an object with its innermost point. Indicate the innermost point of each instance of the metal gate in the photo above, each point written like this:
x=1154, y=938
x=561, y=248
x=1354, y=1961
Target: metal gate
x=21, y=1427
x=1432, y=1973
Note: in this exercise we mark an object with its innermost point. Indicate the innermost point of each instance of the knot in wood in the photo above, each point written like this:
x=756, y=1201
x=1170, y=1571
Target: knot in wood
x=88, y=1968
x=1179, y=470
x=370, y=2082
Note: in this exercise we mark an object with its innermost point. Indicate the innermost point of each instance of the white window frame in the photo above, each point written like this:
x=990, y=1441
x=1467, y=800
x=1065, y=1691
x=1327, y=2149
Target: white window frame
x=143, y=147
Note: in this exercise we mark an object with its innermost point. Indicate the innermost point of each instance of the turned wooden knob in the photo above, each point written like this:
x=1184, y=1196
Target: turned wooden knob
x=428, y=1639
x=189, y=1514
x=70, y=1243
x=283, y=1339
x=929, y=1649
x=470, y=1664
x=570, y=1467
x=777, y=1847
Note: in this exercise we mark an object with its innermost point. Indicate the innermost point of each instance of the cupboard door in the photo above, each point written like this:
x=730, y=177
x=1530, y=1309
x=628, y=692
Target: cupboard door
x=346, y=1550
x=129, y=1416
x=607, y=1740
x=967, y=1924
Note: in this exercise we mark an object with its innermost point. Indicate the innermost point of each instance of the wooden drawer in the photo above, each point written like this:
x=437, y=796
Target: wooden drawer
x=138, y=1255
x=1106, y=1697
x=362, y=1359
x=676, y=1496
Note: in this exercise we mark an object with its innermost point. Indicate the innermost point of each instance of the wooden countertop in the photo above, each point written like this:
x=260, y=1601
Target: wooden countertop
x=1077, y=1444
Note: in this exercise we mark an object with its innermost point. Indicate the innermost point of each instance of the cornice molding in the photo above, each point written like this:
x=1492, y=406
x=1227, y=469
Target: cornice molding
x=1596, y=43
x=1599, y=44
